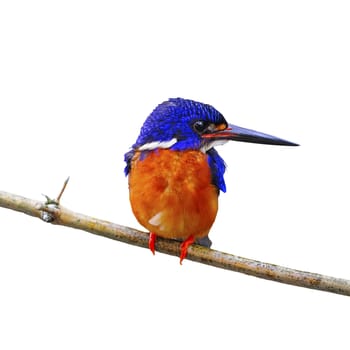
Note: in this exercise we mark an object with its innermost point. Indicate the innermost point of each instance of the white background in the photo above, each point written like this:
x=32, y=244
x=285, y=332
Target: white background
x=77, y=80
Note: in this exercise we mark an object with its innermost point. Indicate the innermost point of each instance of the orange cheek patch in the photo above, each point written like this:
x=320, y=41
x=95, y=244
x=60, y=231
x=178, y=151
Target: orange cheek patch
x=221, y=127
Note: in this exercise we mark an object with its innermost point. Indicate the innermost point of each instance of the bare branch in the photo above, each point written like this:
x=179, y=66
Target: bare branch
x=65, y=217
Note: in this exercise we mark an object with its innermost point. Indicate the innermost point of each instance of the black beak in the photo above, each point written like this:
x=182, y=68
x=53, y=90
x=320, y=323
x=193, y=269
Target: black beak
x=237, y=133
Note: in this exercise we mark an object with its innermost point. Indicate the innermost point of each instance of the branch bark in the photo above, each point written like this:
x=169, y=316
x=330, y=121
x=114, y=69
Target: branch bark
x=63, y=216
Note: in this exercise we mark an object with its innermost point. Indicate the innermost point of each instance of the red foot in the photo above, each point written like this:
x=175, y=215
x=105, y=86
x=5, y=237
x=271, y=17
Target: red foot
x=152, y=241
x=184, y=245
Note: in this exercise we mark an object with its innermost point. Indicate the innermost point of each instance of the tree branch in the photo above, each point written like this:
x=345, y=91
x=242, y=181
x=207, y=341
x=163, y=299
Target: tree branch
x=55, y=213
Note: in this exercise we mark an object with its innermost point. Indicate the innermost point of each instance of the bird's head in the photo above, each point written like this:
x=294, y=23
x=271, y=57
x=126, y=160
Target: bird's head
x=180, y=124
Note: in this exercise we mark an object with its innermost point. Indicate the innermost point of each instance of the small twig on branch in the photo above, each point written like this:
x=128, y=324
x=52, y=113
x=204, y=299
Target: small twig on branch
x=65, y=217
x=45, y=215
x=62, y=190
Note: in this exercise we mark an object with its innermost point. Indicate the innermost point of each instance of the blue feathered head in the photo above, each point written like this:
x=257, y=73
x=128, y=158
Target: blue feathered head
x=178, y=124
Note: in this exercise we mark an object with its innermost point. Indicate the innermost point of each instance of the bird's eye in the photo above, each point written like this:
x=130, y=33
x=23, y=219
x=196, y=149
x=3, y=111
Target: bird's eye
x=200, y=126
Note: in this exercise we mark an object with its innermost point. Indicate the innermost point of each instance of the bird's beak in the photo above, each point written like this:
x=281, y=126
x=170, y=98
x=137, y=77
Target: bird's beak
x=237, y=133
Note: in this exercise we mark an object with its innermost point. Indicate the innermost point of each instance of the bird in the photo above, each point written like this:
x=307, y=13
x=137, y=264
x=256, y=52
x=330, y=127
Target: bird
x=175, y=174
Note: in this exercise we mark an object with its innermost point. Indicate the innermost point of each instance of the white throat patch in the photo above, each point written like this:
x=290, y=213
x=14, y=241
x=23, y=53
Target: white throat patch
x=207, y=146
x=157, y=144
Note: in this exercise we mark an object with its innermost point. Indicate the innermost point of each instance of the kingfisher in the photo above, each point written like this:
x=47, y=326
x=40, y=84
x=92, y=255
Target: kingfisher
x=175, y=174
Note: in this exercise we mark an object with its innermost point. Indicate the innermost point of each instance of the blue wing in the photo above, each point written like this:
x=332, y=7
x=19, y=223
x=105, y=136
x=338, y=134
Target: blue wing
x=217, y=167
x=127, y=158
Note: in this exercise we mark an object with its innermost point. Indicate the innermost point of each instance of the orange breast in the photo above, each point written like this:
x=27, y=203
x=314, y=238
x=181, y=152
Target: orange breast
x=171, y=193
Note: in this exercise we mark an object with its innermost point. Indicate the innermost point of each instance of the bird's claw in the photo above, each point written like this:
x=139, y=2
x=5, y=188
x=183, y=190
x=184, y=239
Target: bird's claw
x=152, y=241
x=184, y=246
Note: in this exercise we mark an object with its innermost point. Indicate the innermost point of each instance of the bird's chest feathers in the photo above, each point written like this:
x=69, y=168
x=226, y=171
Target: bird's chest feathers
x=171, y=171
x=172, y=194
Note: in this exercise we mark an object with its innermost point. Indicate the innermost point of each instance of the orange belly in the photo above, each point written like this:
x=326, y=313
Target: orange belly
x=171, y=193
